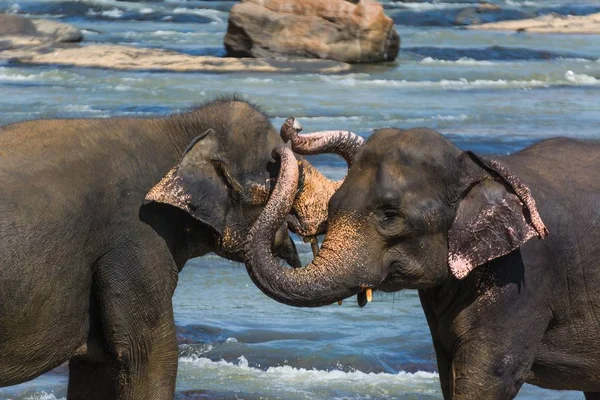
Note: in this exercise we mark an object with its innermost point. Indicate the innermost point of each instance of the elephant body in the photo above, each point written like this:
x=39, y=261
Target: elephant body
x=77, y=261
x=98, y=216
x=503, y=307
x=532, y=315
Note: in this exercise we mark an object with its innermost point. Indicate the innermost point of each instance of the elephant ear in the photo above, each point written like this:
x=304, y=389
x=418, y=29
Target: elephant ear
x=496, y=216
x=196, y=184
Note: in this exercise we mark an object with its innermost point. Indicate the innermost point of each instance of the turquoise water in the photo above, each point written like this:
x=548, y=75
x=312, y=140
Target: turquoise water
x=487, y=91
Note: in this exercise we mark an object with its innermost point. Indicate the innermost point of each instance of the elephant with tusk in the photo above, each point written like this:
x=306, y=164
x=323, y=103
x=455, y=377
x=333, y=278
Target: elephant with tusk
x=416, y=212
x=97, y=218
x=342, y=143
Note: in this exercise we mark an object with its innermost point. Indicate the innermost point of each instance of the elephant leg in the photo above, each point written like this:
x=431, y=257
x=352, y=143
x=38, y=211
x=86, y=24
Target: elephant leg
x=473, y=380
x=493, y=362
x=442, y=356
x=134, y=285
x=129, y=375
x=93, y=381
x=443, y=363
x=592, y=395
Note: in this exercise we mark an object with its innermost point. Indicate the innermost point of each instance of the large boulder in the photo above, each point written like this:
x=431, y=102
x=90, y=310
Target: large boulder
x=57, y=31
x=348, y=31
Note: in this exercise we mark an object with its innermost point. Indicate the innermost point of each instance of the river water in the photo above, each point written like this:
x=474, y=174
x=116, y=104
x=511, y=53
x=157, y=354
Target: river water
x=487, y=91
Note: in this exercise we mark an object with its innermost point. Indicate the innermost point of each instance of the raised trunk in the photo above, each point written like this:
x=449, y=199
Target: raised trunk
x=336, y=272
x=342, y=143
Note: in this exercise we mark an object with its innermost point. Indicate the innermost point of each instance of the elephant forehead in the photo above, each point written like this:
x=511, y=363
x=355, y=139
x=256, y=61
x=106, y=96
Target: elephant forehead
x=389, y=179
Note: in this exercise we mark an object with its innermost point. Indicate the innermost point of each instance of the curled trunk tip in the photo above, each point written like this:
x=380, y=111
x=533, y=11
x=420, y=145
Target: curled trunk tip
x=342, y=143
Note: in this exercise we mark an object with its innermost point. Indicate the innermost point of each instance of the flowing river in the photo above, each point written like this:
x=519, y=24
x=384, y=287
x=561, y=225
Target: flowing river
x=487, y=91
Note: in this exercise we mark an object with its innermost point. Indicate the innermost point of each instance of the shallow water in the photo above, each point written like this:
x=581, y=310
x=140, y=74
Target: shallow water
x=487, y=91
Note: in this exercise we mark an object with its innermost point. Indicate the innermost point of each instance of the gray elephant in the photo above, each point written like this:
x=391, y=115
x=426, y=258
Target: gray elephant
x=98, y=216
x=416, y=212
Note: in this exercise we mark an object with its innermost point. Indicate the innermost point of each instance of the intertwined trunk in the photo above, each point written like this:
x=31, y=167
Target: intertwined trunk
x=336, y=272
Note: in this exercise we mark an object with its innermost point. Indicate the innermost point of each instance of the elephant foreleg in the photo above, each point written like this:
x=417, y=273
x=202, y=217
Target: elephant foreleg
x=134, y=286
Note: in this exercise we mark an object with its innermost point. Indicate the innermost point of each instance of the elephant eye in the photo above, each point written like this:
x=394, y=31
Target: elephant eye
x=389, y=215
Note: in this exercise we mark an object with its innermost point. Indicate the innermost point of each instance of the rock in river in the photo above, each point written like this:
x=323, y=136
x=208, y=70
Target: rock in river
x=348, y=31
x=17, y=31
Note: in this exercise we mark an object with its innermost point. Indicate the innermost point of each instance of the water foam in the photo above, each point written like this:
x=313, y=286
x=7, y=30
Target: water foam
x=461, y=83
x=581, y=79
x=80, y=108
x=327, y=118
x=215, y=15
x=115, y=13
x=299, y=383
x=460, y=61
x=461, y=117
x=286, y=375
x=43, y=396
x=431, y=6
x=9, y=74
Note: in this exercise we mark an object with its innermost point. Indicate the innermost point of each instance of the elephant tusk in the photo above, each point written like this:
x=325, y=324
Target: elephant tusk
x=365, y=296
x=314, y=245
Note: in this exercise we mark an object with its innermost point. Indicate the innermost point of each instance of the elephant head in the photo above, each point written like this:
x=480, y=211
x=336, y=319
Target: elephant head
x=226, y=173
x=413, y=211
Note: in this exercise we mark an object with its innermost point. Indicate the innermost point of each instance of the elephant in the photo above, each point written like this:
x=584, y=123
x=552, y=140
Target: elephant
x=415, y=212
x=97, y=218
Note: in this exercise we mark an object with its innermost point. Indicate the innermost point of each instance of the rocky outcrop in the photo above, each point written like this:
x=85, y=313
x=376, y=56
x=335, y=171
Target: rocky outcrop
x=552, y=23
x=48, y=42
x=133, y=58
x=327, y=29
x=17, y=31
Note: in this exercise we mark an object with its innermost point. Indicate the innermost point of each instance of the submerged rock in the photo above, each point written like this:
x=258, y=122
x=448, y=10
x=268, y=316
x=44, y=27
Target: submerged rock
x=552, y=23
x=16, y=31
x=327, y=29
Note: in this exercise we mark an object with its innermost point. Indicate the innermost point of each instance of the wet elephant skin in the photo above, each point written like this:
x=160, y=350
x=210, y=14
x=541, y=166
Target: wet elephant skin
x=504, y=307
x=98, y=216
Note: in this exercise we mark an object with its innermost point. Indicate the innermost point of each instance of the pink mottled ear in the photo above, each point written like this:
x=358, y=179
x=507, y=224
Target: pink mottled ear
x=195, y=185
x=496, y=216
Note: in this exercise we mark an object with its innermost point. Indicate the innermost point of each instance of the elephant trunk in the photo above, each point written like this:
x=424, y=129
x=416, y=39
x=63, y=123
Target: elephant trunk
x=310, y=208
x=342, y=143
x=336, y=272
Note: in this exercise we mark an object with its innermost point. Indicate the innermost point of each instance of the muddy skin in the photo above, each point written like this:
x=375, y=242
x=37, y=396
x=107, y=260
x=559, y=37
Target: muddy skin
x=503, y=306
x=309, y=214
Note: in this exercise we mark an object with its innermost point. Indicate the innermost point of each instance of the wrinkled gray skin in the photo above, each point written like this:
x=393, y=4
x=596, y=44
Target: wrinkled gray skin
x=89, y=261
x=503, y=307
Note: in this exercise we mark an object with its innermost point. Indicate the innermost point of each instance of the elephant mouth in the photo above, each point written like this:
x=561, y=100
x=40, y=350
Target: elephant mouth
x=388, y=286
